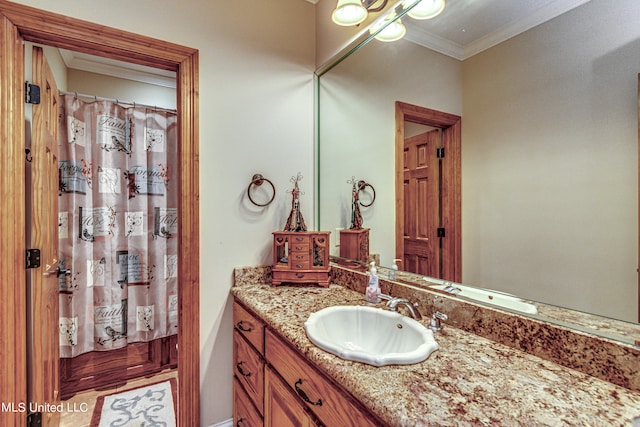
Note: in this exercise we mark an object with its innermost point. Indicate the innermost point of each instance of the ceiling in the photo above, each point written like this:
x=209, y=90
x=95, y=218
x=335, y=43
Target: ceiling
x=465, y=28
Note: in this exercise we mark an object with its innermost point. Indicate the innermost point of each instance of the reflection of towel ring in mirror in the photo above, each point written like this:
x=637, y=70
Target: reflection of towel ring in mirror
x=361, y=186
x=258, y=180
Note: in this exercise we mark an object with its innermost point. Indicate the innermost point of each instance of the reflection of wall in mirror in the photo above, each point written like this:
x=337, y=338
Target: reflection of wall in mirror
x=550, y=161
x=549, y=136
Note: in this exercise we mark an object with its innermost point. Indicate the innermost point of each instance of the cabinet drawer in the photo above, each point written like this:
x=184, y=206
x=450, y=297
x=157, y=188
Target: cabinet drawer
x=244, y=413
x=333, y=406
x=299, y=261
x=248, y=368
x=299, y=240
x=248, y=326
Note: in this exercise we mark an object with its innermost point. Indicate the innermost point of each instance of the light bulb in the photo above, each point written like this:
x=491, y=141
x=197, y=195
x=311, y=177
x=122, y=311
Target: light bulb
x=426, y=9
x=349, y=12
x=392, y=32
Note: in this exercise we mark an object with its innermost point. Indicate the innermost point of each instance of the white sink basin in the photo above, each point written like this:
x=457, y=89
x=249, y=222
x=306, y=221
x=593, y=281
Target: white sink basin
x=370, y=335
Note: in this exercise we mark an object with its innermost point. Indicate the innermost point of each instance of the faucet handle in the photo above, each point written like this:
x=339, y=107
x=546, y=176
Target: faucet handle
x=435, y=324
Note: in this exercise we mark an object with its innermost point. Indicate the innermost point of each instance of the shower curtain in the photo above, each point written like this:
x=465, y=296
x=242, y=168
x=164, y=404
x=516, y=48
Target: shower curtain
x=117, y=225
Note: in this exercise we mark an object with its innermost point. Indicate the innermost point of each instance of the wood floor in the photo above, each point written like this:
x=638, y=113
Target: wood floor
x=84, y=402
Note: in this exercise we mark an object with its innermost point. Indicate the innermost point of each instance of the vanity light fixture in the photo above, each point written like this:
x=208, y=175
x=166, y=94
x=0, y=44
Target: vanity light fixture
x=353, y=12
x=426, y=9
x=391, y=32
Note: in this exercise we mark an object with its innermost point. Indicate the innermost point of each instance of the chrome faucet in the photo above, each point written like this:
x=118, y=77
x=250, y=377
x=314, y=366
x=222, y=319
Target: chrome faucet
x=451, y=289
x=434, y=323
x=392, y=303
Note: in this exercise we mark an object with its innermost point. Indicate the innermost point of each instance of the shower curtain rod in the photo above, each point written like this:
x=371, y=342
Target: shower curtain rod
x=116, y=100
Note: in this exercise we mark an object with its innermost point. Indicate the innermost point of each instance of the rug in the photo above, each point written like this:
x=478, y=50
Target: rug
x=152, y=405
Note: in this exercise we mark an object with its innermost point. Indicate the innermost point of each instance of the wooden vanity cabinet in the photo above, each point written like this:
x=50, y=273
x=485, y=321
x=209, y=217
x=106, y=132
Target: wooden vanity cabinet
x=301, y=257
x=295, y=393
x=312, y=389
x=245, y=413
x=248, y=367
x=280, y=408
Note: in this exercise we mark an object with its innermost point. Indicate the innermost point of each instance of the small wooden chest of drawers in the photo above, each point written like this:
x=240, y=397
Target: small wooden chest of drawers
x=301, y=257
x=354, y=244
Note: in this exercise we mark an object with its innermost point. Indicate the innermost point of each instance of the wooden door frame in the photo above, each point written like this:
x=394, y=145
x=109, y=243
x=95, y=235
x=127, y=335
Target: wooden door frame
x=450, y=182
x=18, y=23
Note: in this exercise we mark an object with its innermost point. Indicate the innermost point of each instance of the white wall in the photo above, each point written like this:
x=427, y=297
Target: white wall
x=256, y=115
x=550, y=161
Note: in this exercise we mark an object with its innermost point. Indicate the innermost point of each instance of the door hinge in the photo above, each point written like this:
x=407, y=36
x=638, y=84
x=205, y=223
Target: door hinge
x=440, y=231
x=33, y=258
x=440, y=153
x=34, y=419
x=32, y=93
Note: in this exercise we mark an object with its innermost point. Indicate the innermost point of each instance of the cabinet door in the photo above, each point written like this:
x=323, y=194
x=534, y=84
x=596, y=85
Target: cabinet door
x=331, y=405
x=281, y=406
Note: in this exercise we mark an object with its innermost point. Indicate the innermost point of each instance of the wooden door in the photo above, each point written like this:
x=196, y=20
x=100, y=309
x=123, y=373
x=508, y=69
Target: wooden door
x=42, y=377
x=450, y=245
x=421, y=253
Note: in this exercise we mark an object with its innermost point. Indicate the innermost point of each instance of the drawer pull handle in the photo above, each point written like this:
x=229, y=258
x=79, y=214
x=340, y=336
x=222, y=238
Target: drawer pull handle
x=242, y=372
x=304, y=396
x=240, y=325
x=299, y=275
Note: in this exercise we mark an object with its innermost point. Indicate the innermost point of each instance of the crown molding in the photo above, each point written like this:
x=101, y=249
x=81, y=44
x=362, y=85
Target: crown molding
x=116, y=69
x=431, y=41
x=541, y=16
x=457, y=51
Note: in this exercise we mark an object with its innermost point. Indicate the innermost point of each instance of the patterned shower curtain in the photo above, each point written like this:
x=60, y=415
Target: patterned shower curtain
x=117, y=225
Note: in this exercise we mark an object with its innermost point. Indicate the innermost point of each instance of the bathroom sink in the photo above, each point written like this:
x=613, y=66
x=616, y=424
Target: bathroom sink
x=370, y=335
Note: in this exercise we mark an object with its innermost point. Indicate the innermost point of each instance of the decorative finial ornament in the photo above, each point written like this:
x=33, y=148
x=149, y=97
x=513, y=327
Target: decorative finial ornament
x=295, y=222
x=356, y=216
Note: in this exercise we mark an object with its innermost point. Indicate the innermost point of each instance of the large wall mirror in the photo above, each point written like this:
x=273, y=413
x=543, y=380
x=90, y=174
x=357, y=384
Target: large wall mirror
x=549, y=148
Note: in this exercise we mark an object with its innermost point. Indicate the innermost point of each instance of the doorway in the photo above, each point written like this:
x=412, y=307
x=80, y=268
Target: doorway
x=428, y=175
x=20, y=23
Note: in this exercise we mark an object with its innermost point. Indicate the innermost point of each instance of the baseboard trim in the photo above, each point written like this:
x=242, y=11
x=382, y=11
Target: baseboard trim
x=227, y=423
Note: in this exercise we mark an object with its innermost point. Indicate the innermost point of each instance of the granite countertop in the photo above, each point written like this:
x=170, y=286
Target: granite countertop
x=470, y=380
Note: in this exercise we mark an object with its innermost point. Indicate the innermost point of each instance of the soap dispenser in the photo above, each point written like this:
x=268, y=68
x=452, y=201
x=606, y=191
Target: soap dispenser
x=373, y=289
x=393, y=271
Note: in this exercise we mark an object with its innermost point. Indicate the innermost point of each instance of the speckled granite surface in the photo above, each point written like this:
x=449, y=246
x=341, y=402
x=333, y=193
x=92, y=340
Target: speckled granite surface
x=469, y=381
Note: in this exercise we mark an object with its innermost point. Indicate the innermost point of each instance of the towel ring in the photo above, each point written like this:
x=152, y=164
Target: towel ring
x=361, y=186
x=258, y=180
